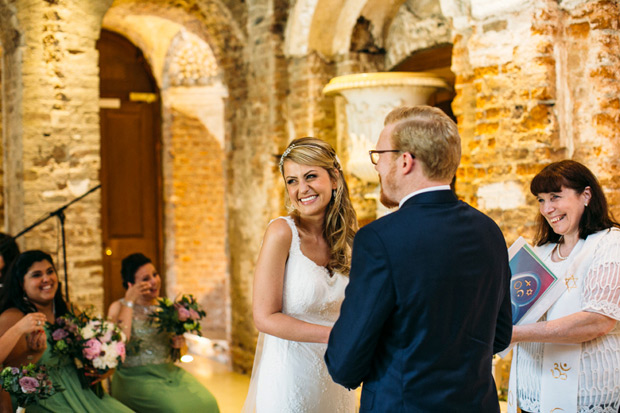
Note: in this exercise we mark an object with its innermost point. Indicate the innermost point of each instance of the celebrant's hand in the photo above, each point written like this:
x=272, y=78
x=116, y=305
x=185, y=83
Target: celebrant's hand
x=135, y=291
x=36, y=341
x=31, y=322
x=178, y=341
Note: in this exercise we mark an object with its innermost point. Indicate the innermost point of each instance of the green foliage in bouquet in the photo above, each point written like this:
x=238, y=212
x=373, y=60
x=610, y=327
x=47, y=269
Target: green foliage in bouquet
x=178, y=317
x=28, y=384
x=96, y=346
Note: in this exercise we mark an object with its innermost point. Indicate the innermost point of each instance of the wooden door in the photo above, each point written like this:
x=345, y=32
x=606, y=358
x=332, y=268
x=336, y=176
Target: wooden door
x=130, y=160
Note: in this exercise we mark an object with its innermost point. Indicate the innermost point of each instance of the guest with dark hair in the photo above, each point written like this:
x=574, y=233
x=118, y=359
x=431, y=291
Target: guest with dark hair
x=570, y=360
x=8, y=252
x=32, y=287
x=148, y=380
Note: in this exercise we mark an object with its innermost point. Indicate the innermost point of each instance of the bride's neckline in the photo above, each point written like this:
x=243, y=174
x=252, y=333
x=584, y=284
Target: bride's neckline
x=322, y=267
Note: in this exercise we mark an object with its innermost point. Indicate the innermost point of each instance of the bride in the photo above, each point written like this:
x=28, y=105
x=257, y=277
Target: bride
x=301, y=273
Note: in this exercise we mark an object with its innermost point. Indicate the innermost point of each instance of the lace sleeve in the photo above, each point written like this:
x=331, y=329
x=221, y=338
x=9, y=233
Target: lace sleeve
x=601, y=289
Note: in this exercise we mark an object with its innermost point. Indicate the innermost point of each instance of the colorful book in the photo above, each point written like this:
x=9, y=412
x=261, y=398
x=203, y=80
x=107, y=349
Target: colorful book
x=532, y=284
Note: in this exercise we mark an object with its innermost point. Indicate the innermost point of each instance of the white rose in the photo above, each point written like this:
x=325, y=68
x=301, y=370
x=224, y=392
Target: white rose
x=89, y=330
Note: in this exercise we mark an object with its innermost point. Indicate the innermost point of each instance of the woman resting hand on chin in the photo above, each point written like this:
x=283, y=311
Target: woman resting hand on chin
x=148, y=380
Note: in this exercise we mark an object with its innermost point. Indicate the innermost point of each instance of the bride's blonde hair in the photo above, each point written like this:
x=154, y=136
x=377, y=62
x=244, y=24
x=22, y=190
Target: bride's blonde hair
x=340, y=219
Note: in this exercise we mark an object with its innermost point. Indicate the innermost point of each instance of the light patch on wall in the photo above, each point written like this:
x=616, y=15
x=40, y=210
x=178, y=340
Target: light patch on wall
x=500, y=195
x=481, y=9
x=203, y=102
x=78, y=186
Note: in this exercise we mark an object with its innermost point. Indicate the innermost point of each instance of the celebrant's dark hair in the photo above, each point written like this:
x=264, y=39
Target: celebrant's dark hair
x=574, y=175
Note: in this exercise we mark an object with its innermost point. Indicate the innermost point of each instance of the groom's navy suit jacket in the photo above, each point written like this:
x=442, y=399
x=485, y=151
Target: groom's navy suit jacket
x=426, y=308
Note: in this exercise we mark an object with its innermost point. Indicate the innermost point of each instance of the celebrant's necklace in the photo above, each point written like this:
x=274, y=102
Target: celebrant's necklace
x=557, y=249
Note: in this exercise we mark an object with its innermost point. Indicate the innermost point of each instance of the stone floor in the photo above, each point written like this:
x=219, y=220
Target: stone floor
x=210, y=365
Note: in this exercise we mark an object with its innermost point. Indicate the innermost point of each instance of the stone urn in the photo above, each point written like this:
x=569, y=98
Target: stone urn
x=369, y=97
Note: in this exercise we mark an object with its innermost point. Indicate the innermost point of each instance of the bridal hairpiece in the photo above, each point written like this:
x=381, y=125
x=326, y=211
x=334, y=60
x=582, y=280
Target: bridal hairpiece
x=288, y=150
x=338, y=164
x=285, y=154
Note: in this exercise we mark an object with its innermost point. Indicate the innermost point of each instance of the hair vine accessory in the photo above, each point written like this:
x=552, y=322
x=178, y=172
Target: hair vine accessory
x=285, y=154
x=338, y=163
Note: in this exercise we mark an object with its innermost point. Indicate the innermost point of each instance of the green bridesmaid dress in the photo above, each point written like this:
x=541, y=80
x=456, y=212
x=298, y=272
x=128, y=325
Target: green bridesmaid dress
x=74, y=398
x=148, y=381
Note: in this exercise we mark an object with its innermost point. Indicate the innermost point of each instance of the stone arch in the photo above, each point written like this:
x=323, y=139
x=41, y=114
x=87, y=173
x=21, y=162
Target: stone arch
x=207, y=19
x=326, y=26
x=187, y=60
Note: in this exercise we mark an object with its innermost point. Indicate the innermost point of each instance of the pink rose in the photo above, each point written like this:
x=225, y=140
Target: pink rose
x=59, y=334
x=182, y=312
x=107, y=337
x=193, y=314
x=120, y=349
x=92, y=349
x=29, y=384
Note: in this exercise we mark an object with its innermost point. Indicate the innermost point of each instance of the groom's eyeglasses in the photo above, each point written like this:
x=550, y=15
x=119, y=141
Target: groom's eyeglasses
x=374, y=154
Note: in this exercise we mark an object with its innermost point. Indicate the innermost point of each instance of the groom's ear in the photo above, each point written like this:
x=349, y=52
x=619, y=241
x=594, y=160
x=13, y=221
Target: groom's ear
x=407, y=162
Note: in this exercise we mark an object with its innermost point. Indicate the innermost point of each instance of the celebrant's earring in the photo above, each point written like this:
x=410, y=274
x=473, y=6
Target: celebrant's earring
x=586, y=204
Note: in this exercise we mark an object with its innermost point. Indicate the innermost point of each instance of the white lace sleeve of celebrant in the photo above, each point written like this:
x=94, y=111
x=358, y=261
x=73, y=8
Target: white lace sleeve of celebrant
x=601, y=289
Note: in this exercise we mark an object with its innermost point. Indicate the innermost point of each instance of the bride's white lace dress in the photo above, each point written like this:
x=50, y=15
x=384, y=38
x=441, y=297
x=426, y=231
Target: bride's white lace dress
x=290, y=376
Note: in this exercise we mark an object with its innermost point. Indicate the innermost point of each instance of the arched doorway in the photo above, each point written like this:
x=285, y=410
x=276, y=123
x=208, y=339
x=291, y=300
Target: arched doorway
x=130, y=159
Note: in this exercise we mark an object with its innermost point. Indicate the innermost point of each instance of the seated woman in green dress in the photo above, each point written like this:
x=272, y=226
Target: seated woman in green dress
x=32, y=287
x=148, y=380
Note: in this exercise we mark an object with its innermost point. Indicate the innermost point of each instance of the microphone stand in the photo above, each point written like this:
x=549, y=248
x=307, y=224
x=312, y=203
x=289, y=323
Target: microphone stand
x=60, y=213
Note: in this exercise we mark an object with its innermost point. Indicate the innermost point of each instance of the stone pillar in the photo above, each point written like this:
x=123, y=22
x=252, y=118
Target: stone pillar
x=369, y=98
x=52, y=133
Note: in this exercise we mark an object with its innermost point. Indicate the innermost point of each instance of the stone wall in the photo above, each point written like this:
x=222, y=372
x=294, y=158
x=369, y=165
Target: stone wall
x=535, y=86
x=1, y=153
x=254, y=188
x=52, y=134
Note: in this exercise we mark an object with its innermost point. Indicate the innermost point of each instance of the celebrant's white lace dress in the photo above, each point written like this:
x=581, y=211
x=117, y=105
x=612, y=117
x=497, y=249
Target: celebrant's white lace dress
x=290, y=376
x=599, y=292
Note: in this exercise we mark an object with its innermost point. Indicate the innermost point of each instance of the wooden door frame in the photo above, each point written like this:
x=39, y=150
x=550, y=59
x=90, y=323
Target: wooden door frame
x=159, y=260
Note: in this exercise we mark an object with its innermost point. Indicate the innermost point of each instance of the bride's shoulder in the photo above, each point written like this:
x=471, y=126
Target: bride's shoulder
x=279, y=231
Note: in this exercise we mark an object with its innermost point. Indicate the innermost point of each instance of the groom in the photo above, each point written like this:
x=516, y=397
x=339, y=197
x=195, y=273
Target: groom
x=428, y=300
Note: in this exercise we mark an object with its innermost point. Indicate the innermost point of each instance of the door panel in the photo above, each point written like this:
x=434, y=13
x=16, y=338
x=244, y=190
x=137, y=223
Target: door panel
x=130, y=163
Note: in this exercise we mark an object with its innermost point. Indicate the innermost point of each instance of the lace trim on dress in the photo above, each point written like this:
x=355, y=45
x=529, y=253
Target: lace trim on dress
x=601, y=290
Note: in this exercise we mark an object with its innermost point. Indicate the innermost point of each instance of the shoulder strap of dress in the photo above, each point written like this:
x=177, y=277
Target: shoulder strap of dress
x=295, y=242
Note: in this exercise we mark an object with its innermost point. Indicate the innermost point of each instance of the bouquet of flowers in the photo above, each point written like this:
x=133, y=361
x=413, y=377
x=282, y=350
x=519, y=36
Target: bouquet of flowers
x=178, y=317
x=95, y=345
x=27, y=384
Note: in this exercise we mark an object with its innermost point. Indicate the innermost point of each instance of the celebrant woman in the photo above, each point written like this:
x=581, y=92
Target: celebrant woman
x=32, y=287
x=148, y=380
x=569, y=361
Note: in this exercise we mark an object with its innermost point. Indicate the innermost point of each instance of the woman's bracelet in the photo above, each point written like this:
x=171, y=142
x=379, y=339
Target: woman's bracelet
x=128, y=304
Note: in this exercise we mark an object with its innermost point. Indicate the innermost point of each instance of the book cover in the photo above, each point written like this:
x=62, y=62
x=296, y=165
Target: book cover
x=531, y=286
x=530, y=282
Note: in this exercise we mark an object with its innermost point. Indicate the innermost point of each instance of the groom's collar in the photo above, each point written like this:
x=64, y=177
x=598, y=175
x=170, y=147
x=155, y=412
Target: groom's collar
x=421, y=191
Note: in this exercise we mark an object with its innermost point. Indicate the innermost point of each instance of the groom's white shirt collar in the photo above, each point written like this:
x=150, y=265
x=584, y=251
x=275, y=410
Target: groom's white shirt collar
x=421, y=191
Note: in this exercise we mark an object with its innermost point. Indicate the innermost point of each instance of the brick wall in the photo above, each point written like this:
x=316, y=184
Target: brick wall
x=198, y=217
